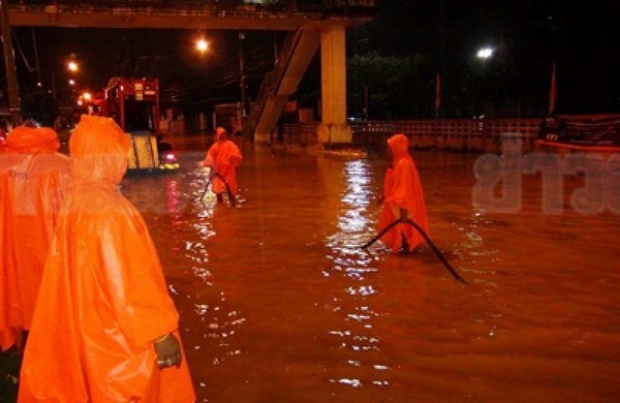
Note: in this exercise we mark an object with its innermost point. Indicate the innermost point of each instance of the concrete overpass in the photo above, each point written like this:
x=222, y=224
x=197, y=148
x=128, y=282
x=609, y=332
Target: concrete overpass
x=312, y=24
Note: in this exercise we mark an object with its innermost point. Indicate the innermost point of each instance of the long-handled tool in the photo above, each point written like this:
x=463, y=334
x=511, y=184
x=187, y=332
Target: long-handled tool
x=428, y=240
x=231, y=196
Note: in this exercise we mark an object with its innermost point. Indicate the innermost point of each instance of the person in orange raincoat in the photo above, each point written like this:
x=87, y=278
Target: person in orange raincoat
x=33, y=178
x=403, y=197
x=223, y=157
x=105, y=328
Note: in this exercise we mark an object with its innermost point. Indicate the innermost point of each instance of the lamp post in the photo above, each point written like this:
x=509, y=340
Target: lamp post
x=242, y=76
x=484, y=54
x=69, y=80
x=202, y=46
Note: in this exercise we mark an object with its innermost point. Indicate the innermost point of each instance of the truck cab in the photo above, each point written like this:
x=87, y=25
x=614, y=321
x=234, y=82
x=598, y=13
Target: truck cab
x=134, y=104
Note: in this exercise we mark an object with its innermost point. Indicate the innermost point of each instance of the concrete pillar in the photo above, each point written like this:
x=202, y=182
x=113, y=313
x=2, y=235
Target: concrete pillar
x=334, y=127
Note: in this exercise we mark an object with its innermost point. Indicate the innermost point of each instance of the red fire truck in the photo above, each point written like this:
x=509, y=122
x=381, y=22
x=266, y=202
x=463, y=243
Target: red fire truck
x=134, y=104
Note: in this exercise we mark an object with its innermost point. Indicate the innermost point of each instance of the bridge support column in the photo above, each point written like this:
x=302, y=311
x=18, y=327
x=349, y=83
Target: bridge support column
x=334, y=127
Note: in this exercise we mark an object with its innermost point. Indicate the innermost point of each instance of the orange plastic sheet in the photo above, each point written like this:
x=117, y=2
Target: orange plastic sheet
x=402, y=190
x=33, y=177
x=224, y=156
x=103, y=298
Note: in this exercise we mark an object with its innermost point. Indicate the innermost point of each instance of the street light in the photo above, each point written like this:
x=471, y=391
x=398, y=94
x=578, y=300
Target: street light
x=73, y=66
x=242, y=76
x=485, y=53
x=202, y=45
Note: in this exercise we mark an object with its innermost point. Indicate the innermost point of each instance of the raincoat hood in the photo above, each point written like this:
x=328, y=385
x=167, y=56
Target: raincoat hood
x=32, y=140
x=220, y=134
x=98, y=149
x=399, y=144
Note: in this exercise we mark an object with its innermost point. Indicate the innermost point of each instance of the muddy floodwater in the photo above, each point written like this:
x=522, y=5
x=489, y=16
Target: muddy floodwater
x=278, y=303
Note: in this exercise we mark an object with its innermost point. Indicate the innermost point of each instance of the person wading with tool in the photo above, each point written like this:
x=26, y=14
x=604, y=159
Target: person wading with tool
x=403, y=198
x=223, y=158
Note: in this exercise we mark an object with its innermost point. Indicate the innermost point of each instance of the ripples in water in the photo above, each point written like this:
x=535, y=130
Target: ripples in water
x=278, y=302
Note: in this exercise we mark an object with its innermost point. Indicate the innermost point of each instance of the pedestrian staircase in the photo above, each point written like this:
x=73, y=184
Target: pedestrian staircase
x=279, y=84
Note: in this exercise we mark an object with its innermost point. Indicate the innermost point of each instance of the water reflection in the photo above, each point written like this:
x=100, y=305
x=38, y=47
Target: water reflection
x=354, y=337
x=278, y=302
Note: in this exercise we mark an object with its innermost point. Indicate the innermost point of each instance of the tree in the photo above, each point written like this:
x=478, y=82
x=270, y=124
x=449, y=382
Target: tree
x=389, y=87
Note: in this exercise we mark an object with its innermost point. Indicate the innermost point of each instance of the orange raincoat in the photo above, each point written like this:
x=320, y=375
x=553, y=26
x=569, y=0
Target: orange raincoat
x=402, y=190
x=33, y=177
x=224, y=157
x=103, y=298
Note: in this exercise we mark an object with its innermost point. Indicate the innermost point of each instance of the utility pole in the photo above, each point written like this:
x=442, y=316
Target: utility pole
x=9, y=64
x=242, y=76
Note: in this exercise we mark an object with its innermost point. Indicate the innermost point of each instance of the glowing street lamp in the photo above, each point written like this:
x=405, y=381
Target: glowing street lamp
x=485, y=53
x=73, y=66
x=84, y=99
x=202, y=45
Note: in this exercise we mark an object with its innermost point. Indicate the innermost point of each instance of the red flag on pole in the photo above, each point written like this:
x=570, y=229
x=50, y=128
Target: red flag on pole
x=437, y=94
x=552, y=91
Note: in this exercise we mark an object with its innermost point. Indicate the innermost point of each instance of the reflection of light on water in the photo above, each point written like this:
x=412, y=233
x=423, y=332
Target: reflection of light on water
x=205, y=229
x=349, y=260
x=356, y=383
x=197, y=253
x=357, y=258
x=201, y=309
x=202, y=273
x=340, y=333
x=353, y=268
x=473, y=239
x=356, y=197
x=358, y=317
x=352, y=221
x=473, y=236
x=219, y=325
x=363, y=290
x=174, y=197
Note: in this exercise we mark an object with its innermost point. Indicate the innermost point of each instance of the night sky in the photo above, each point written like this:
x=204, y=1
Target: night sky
x=580, y=37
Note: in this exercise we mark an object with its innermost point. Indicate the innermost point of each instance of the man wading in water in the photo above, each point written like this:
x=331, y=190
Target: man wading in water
x=402, y=198
x=223, y=158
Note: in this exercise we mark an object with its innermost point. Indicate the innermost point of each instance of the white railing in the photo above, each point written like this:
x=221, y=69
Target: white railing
x=444, y=134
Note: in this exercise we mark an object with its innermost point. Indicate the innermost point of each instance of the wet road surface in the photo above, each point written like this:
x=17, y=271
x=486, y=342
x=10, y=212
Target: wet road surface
x=278, y=304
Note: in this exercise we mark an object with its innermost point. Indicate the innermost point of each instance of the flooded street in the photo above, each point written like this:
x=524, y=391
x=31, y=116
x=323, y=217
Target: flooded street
x=278, y=304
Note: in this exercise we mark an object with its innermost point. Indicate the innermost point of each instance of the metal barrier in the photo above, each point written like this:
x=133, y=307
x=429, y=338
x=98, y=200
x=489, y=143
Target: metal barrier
x=441, y=134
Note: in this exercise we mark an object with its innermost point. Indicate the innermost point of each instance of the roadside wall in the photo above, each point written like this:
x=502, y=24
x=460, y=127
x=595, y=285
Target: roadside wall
x=442, y=134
